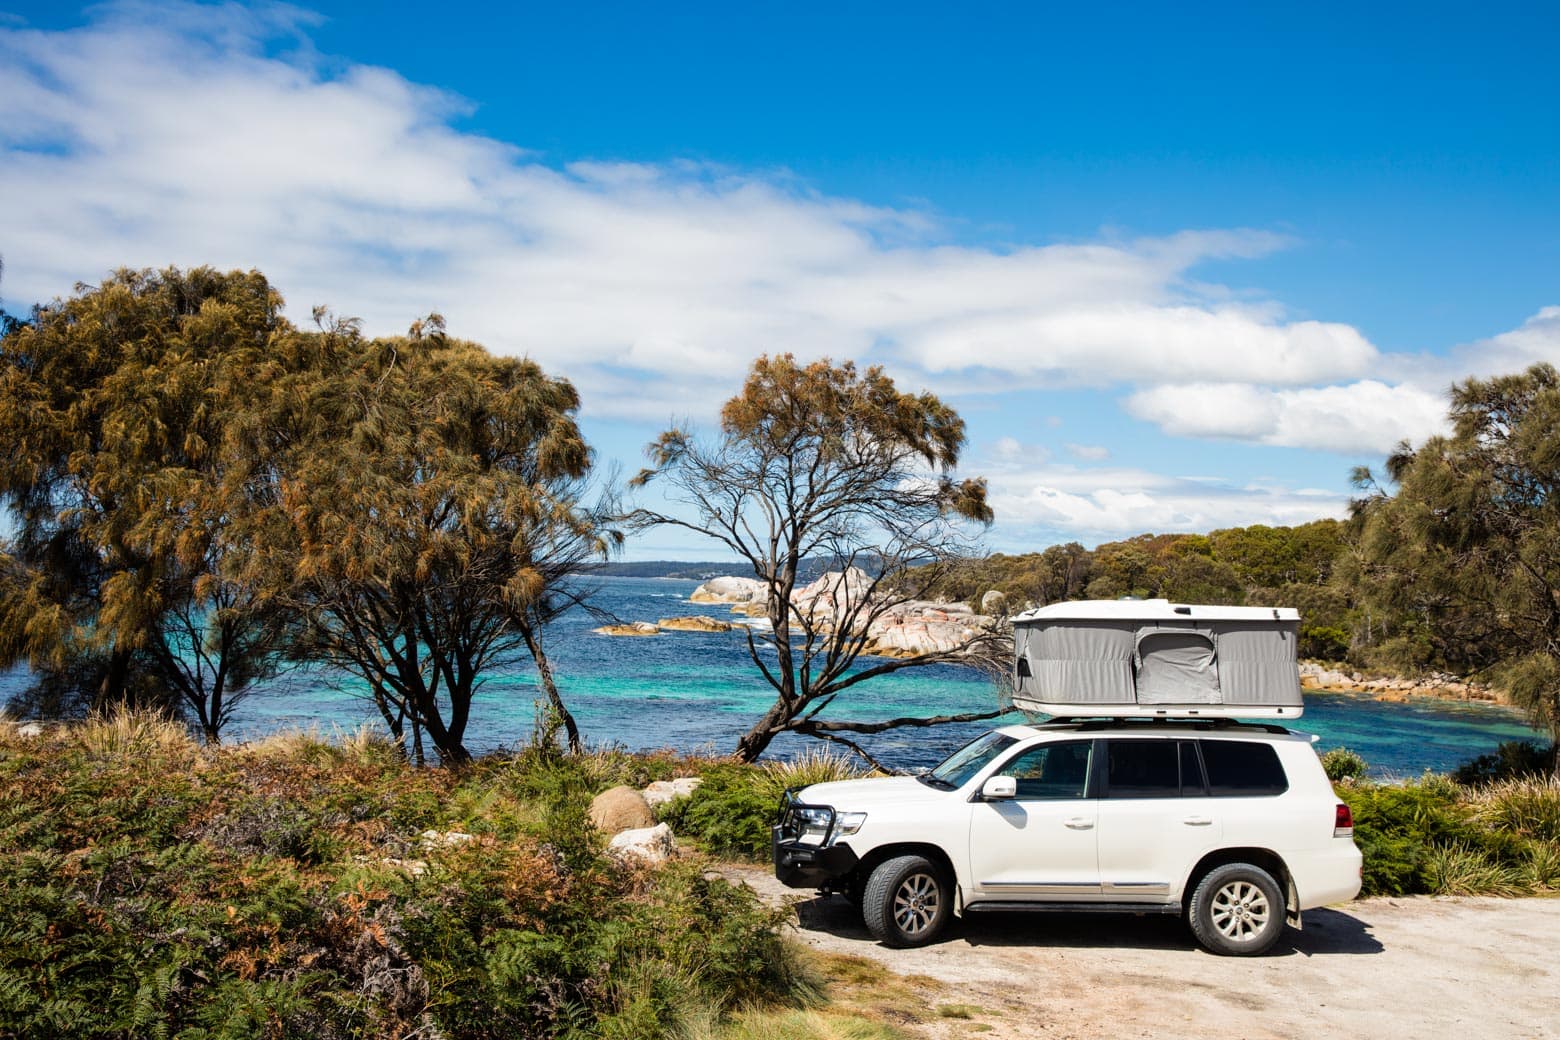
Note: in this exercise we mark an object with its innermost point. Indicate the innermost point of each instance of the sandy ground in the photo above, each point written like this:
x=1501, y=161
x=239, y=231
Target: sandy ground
x=1411, y=968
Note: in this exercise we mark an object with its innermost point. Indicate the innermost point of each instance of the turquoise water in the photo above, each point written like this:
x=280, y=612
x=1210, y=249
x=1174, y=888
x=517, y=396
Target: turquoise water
x=691, y=691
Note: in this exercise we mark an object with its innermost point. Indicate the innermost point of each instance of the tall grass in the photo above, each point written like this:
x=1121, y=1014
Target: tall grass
x=1461, y=870
x=1528, y=806
x=130, y=735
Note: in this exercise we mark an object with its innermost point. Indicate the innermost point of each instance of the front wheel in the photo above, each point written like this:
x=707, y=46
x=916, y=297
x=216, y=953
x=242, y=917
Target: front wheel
x=1237, y=910
x=906, y=901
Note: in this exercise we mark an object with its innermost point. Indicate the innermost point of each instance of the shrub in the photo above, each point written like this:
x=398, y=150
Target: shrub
x=1343, y=764
x=1512, y=760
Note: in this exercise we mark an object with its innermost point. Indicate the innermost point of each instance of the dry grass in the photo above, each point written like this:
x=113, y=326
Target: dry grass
x=817, y=765
x=132, y=736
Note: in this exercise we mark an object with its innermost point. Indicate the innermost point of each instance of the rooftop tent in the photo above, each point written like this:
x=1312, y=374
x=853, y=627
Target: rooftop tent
x=1154, y=658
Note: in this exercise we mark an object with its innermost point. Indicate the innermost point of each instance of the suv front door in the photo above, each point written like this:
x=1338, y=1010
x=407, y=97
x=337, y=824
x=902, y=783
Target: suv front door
x=1040, y=844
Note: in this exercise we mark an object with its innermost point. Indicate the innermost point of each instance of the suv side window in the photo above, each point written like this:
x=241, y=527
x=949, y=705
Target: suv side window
x=1059, y=770
x=1243, y=769
x=1143, y=769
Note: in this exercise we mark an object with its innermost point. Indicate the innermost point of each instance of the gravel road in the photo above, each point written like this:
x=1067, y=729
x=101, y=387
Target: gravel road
x=1412, y=968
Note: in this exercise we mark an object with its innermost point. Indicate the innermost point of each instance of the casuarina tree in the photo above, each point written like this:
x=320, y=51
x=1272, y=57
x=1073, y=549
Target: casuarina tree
x=1466, y=547
x=427, y=516
x=116, y=403
x=824, y=462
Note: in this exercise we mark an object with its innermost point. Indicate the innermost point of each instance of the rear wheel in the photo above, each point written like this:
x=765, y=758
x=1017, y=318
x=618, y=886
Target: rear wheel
x=906, y=901
x=1237, y=910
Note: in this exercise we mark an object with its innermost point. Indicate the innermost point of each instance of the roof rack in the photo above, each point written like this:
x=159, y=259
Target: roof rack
x=1092, y=724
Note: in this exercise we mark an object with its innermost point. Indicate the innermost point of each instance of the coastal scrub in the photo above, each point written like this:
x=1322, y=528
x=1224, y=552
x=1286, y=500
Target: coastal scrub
x=303, y=888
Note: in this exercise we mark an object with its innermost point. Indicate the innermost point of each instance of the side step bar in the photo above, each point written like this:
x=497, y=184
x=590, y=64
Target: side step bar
x=1006, y=906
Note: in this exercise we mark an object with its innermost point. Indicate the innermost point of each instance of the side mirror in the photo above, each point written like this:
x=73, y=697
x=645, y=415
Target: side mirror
x=998, y=788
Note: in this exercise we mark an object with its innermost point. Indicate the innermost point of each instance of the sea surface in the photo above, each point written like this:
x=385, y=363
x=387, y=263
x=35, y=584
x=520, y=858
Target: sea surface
x=700, y=691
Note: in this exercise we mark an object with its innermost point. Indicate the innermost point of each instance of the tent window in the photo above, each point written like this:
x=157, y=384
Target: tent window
x=1176, y=667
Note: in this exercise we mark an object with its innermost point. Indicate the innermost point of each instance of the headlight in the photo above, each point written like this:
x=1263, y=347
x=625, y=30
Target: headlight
x=815, y=824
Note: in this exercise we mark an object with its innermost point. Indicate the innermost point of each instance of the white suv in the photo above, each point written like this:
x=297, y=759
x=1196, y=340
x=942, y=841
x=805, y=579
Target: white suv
x=1234, y=826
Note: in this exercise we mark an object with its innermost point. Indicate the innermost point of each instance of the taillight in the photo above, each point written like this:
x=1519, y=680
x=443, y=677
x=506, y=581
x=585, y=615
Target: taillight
x=1343, y=822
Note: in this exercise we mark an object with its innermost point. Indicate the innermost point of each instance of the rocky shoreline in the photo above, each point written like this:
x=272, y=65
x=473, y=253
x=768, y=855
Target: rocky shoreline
x=909, y=629
x=1437, y=686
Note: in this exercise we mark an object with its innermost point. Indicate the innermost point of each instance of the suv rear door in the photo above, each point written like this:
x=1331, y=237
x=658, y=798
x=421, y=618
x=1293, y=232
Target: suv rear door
x=1156, y=818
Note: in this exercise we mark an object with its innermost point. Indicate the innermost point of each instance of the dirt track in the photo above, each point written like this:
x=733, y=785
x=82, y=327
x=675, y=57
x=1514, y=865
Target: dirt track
x=1413, y=968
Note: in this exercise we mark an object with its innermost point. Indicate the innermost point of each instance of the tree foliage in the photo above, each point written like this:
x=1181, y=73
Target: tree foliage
x=117, y=402
x=1467, y=547
x=202, y=491
x=823, y=461
x=425, y=515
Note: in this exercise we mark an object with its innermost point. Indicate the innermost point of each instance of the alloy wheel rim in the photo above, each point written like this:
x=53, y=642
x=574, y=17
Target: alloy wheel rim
x=916, y=903
x=1241, y=912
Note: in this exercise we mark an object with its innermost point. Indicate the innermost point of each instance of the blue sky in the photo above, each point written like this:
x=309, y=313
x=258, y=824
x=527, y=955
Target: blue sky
x=1179, y=266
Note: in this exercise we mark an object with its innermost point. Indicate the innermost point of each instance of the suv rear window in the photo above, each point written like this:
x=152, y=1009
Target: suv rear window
x=1143, y=769
x=1239, y=768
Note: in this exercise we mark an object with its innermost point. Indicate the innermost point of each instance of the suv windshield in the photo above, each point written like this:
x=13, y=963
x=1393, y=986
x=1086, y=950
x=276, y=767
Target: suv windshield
x=970, y=759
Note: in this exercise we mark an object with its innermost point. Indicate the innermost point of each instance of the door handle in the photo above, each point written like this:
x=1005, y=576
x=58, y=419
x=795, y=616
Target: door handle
x=1198, y=821
x=1079, y=823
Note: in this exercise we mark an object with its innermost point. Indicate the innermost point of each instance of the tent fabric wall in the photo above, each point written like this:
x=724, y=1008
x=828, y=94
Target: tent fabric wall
x=1258, y=661
x=1092, y=661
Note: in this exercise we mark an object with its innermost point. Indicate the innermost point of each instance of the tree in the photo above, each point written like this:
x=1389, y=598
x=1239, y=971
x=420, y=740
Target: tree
x=1467, y=548
x=116, y=403
x=425, y=516
x=820, y=461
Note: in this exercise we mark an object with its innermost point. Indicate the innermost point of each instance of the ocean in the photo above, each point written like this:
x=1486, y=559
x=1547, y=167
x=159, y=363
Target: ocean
x=695, y=691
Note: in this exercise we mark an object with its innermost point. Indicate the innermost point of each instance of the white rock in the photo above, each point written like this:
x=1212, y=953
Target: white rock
x=30, y=729
x=729, y=590
x=650, y=844
x=432, y=839
x=662, y=791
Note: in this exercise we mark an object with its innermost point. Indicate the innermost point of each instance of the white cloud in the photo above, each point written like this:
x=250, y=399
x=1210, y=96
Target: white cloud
x=1042, y=503
x=1537, y=339
x=1362, y=418
x=1089, y=452
x=171, y=134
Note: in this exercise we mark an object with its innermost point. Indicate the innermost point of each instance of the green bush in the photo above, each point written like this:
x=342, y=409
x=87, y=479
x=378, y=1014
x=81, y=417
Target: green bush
x=731, y=812
x=1431, y=837
x=1343, y=764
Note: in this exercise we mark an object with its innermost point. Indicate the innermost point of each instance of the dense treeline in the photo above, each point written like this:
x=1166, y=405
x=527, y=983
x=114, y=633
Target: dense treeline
x=1288, y=566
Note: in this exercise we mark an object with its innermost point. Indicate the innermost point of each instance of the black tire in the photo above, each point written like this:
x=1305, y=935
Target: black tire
x=1237, y=910
x=907, y=901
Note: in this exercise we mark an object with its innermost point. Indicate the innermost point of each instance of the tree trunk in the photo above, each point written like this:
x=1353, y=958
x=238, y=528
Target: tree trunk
x=111, y=691
x=756, y=740
x=545, y=674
